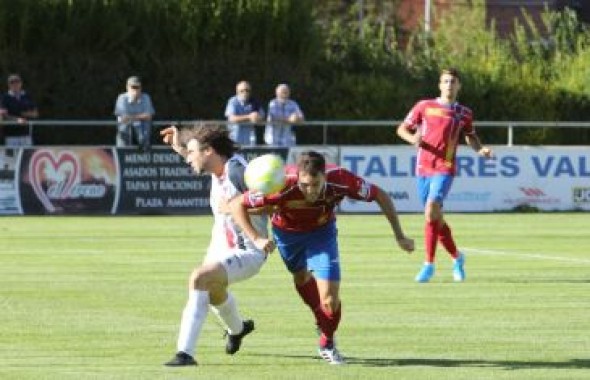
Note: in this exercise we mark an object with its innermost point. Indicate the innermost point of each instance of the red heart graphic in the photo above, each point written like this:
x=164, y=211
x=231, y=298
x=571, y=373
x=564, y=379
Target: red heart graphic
x=59, y=175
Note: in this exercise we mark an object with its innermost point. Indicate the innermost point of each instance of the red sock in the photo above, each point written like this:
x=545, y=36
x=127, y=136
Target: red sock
x=310, y=294
x=329, y=324
x=431, y=230
x=446, y=239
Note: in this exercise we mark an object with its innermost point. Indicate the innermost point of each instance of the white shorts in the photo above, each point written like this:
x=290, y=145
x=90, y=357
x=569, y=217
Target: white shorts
x=239, y=264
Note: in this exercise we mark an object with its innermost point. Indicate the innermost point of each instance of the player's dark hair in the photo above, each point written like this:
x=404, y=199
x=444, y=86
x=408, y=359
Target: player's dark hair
x=450, y=71
x=311, y=162
x=210, y=134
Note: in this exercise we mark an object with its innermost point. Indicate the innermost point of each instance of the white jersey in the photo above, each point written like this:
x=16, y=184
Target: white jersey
x=226, y=235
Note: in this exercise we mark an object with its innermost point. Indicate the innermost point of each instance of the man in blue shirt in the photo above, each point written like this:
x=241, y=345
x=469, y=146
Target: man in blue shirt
x=283, y=112
x=243, y=111
x=134, y=111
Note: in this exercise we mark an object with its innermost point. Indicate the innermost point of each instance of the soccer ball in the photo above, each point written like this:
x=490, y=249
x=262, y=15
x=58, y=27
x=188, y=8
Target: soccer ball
x=265, y=174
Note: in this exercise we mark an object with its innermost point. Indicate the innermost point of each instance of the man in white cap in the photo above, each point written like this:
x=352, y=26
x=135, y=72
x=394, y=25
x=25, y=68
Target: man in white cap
x=134, y=111
x=243, y=112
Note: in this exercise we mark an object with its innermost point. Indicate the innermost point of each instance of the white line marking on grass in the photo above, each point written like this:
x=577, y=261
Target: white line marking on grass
x=529, y=255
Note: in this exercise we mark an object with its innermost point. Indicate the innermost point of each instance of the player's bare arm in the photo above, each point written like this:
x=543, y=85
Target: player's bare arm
x=223, y=205
x=240, y=215
x=170, y=137
x=225, y=208
x=268, y=210
x=475, y=144
x=388, y=208
x=413, y=138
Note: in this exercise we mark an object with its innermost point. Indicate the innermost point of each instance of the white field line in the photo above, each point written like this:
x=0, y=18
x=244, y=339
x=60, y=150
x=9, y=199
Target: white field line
x=527, y=255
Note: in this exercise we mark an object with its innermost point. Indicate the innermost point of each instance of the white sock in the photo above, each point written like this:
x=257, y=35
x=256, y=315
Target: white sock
x=193, y=317
x=228, y=314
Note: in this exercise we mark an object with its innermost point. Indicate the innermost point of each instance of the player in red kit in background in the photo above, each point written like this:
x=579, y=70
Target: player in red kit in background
x=304, y=230
x=434, y=127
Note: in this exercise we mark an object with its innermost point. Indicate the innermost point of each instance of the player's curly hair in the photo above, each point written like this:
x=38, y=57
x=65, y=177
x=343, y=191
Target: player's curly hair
x=210, y=134
x=311, y=162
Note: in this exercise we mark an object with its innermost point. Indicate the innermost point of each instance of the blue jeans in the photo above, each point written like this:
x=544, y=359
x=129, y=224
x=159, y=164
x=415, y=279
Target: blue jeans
x=140, y=129
x=243, y=134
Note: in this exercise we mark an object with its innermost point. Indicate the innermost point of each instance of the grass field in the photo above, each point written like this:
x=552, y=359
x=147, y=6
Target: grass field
x=100, y=298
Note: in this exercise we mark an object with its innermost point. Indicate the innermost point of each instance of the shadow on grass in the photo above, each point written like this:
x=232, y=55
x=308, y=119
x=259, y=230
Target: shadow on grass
x=505, y=364
x=538, y=281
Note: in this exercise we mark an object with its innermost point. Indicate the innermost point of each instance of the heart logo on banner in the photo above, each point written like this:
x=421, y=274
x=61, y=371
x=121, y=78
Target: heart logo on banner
x=59, y=175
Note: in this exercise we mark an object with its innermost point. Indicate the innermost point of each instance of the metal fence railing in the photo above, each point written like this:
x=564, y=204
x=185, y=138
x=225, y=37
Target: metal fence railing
x=325, y=125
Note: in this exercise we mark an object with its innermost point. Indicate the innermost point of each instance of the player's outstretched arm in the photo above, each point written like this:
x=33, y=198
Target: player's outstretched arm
x=240, y=216
x=170, y=136
x=388, y=208
x=225, y=208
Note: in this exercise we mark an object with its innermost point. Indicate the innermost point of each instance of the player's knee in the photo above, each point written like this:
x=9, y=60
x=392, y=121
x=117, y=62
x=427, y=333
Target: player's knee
x=217, y=293
x=300, y=278
x=432, y=213
x=429, y=218
x=331, y=303
x=200, y=279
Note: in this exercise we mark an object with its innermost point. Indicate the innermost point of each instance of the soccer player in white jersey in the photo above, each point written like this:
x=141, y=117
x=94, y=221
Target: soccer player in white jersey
x=231, y=256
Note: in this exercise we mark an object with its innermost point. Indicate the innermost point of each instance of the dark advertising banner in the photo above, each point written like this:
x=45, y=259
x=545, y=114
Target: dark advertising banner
x=159, y=182
x=101, y=180
x=62, y=180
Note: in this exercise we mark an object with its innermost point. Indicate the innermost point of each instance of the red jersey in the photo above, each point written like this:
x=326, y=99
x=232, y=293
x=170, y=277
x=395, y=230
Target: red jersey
x=294, y=214
x=441, y=126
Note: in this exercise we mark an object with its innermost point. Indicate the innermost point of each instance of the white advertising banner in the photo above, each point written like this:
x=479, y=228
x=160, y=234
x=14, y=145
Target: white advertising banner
x=548, y=178
x=9, y=196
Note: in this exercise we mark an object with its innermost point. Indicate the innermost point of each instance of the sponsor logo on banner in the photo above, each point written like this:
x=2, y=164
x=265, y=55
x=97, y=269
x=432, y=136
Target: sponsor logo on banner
x=470, y=196
x=68, y=180
x=532, y=196
x=581, y=195
x=532, y=192
x=398, y=195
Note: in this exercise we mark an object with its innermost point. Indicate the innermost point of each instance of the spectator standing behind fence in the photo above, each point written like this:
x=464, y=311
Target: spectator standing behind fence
x=17, y=105
x=282, y=112
x=134, y=111
x=243, y=112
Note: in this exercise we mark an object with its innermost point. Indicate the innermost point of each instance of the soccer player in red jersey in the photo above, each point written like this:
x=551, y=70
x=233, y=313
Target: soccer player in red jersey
x=434, y=127
x=304, y=230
